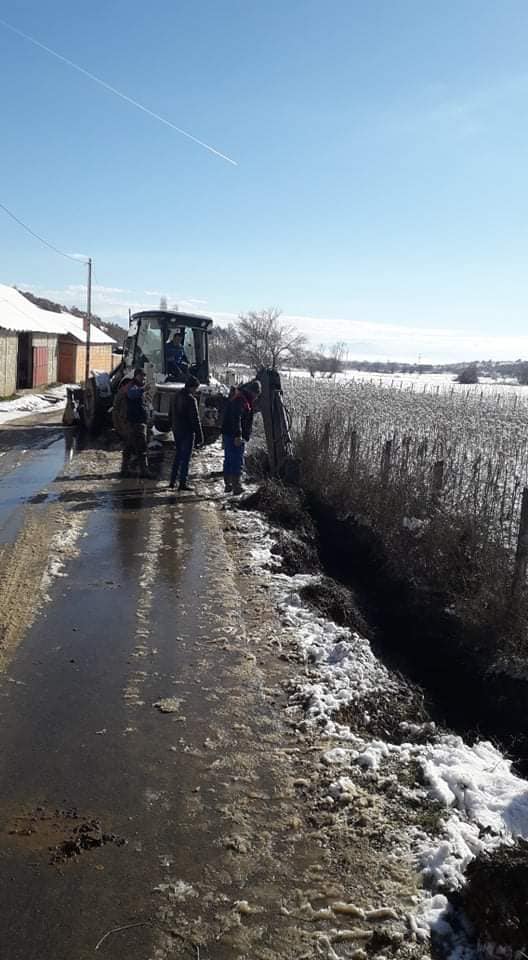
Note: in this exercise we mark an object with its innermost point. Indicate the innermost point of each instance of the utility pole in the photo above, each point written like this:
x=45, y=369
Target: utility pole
x=87, y=322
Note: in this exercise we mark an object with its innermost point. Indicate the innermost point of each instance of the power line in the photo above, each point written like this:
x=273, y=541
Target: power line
x=119, y=93
x=38, y=237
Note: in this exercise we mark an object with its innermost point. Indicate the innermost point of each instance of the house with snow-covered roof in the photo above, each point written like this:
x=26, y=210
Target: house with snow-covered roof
x=39, y=347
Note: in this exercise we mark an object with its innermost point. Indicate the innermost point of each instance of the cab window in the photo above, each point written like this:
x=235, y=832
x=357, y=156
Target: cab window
x=149, y=344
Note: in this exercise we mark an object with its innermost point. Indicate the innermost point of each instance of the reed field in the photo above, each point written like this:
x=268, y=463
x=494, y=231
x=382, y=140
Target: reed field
x=438, y=474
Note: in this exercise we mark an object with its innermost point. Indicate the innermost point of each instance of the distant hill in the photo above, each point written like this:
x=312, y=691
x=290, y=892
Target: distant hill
x=494, y=369
x=114, y=330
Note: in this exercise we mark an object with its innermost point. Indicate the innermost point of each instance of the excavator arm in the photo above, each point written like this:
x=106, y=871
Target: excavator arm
x=277, y=426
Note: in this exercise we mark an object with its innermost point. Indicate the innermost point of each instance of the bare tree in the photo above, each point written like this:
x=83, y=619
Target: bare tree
x=224, y=345
x=337, y=354
x=266, y=342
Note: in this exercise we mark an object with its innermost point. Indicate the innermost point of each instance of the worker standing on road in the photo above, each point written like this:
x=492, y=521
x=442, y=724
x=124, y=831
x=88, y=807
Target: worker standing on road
x=137, y=415
x=237, y=425
x=187, y=430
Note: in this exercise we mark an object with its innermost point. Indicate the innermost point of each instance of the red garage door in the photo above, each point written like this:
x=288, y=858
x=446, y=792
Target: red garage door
x=67, y=353
x=40, y=366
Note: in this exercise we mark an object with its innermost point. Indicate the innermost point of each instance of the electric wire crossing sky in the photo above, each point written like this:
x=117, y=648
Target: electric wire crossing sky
x=118, y=93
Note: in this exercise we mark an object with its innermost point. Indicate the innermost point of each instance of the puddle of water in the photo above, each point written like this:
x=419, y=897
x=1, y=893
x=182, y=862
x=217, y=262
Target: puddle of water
x=24, y=483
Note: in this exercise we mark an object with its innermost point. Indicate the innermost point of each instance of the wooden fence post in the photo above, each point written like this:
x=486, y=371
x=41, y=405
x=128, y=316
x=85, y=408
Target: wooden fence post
x=325, y=444
x=521, y=556
x=438, y=480
x=352, y=456
x=386, y=460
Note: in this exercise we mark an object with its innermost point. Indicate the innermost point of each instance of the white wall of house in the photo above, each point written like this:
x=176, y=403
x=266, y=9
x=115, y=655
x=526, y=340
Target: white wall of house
x=9, y=358
x=8, y=362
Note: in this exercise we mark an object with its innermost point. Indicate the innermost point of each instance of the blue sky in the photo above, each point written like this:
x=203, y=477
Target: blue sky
x=380, y=195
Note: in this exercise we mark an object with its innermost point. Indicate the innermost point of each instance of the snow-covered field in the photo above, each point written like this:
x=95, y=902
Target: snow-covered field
x=417, y=382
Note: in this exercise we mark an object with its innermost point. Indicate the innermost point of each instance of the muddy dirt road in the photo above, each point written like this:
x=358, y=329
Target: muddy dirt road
x=155, y=800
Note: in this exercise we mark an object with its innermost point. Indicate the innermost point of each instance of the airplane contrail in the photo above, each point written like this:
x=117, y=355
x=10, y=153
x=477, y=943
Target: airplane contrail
x=118, y=93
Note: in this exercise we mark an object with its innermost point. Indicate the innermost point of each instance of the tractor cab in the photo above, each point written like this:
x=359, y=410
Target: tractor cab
x=151, y=336
x=169, y=347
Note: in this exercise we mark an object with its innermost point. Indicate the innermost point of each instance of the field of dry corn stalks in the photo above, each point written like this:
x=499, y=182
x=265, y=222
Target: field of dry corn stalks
x=439, y=475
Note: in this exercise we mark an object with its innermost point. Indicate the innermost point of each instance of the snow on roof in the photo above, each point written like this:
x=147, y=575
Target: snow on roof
x=21, y=316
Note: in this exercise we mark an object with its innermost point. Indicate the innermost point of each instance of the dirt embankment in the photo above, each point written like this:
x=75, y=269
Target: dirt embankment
x=454, y=662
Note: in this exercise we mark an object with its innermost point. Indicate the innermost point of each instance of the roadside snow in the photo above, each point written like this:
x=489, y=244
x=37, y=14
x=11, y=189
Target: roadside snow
x=32, y=403
x=488, y=804
x=63, y=546
x=484, y=803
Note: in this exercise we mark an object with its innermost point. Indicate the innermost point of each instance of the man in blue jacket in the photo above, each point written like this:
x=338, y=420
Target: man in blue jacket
x=177, y=362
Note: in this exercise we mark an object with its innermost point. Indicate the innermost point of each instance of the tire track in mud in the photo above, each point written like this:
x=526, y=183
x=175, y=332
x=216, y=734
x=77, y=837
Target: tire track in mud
x=28, y=568
x=147, y=580
x=48, y=539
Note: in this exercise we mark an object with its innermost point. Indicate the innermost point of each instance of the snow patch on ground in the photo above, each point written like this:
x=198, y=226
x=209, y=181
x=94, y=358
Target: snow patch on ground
x=63, y=547
x=176, y=890
x=168, y=705
x=488, y=804
x=149, y=571
x=55, y=397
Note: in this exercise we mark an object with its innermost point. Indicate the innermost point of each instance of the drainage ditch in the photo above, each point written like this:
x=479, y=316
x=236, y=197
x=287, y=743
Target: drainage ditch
x=410, y=631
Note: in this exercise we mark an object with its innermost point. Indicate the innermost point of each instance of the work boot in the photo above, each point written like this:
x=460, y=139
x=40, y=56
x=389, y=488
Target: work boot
x=237, y=486
x=125, y=471
x=228, y=483
x=186, y=487
x=144, y=470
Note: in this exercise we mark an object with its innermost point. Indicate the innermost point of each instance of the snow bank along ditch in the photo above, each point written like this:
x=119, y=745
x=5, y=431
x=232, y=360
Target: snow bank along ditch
x=467, y=802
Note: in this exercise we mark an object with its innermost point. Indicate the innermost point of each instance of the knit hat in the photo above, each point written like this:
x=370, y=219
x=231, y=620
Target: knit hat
x=252, y=387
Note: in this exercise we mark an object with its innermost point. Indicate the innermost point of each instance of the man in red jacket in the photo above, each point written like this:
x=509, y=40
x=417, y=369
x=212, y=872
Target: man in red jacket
x=237, y=425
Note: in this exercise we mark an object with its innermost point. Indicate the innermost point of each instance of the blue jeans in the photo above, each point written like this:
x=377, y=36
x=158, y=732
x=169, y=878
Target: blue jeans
x=184, y=449
x=233, y=457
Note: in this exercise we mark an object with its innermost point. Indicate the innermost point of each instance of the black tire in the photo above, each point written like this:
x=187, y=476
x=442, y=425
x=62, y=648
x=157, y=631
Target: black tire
x=93, y=409
x=161, y=422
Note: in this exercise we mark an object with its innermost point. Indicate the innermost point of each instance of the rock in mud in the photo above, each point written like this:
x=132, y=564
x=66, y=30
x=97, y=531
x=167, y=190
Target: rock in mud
x=168, y=705
x=85, y=836
x=336, y=603
x=494, y=898
x=297, y=554
x=282, y=504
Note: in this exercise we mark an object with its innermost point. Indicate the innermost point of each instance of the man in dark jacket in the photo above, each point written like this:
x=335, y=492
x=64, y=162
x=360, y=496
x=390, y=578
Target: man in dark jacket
x=187, y=430
x=137, y=416
x=237, y=425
